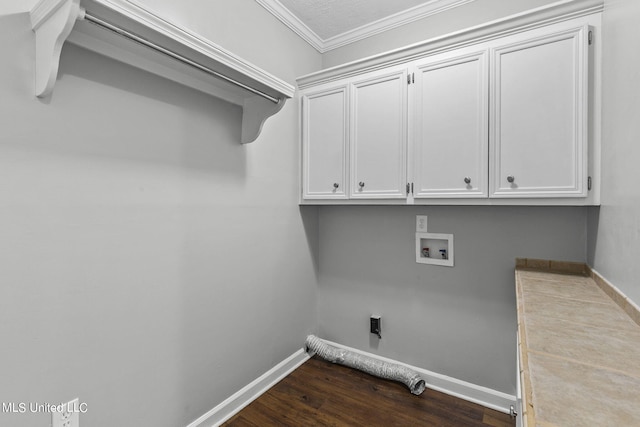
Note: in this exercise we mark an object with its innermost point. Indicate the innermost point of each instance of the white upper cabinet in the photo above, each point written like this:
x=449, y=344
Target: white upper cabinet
x=450, y=122
x=502, y=114
x=539, y=116
x=324, y=144
x=378, y=135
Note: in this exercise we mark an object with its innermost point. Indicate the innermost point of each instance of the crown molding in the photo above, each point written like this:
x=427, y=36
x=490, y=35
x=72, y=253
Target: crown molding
x=429, y=8
x=535, y=18
x=296, y=25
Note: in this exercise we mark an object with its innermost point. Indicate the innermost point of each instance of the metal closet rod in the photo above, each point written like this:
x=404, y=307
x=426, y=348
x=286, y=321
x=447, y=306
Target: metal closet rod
x=138, y=39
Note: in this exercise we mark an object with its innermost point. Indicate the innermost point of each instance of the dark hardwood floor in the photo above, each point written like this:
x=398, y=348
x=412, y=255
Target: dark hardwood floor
x=320, y=393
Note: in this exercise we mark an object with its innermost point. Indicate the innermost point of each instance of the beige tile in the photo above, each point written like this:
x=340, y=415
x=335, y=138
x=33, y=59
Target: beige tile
x=606, y=288
x=582, y=349
x=550, y=276
x=566, y=267
x=569, y=267
x=572, y=394
x=579, y=288
x=541, y=264
x=632, y=310
x=608, y=314
x=608, y=348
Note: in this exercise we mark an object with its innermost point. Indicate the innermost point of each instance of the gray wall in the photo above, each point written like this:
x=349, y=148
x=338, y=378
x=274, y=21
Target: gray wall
x=16, y=6
x=458, y=321
x=151, y=265
x=614, y=228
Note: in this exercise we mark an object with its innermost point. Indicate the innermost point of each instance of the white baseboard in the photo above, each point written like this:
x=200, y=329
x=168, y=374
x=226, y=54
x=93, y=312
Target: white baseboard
x=470, y=392
x=250, y=392
x=467, y=391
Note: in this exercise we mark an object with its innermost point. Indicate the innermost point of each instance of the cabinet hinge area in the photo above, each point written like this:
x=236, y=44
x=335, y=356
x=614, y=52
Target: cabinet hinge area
x=411, y=78
x=588, y=183
x=590, y=37
x=409, y=188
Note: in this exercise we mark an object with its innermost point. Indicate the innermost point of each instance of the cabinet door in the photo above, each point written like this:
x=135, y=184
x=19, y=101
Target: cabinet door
x=539, y=116
x=450, y=150
x=378, y=136
x=324, y=144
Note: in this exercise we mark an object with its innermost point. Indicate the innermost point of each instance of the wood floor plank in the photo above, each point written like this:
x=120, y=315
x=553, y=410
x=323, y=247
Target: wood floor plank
x=493, y=421
x=337, y=397
x=320, y=393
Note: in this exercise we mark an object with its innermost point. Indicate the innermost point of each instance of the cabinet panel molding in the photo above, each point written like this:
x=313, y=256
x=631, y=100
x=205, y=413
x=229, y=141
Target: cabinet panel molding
x=450, y=140
x=539, y=116
x=378, y=136
x=325, y=144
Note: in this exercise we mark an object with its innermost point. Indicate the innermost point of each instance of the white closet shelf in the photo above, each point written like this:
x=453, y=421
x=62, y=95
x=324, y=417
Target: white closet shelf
x=127, y=32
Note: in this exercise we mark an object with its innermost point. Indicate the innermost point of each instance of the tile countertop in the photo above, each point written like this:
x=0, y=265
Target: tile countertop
x=579, y=350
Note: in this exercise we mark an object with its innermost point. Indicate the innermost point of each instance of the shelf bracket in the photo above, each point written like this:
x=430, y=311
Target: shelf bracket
x=52, y=22
x=256, y=111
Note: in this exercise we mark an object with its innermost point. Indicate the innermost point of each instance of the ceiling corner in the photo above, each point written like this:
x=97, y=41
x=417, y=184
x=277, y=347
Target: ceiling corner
x=403, y=17
x=294, y=23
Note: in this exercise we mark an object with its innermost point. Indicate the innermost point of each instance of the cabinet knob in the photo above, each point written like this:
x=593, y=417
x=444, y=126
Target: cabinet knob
x=361, y=184
x=467, y=180
x=336, y=185
x=511, y=178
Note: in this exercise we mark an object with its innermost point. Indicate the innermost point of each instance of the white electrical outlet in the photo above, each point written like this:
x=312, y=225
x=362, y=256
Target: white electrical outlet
x=421, y=223
x=69, y=416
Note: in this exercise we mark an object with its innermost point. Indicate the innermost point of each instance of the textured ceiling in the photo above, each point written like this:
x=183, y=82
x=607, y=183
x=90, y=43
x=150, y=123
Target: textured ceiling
x=329, y=18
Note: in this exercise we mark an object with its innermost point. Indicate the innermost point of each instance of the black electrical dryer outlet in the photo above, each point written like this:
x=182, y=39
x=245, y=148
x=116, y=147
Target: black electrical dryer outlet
x=375, y=326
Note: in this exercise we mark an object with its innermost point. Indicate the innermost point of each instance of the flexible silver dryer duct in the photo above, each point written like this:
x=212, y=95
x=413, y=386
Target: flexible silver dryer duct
x=386, y=370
